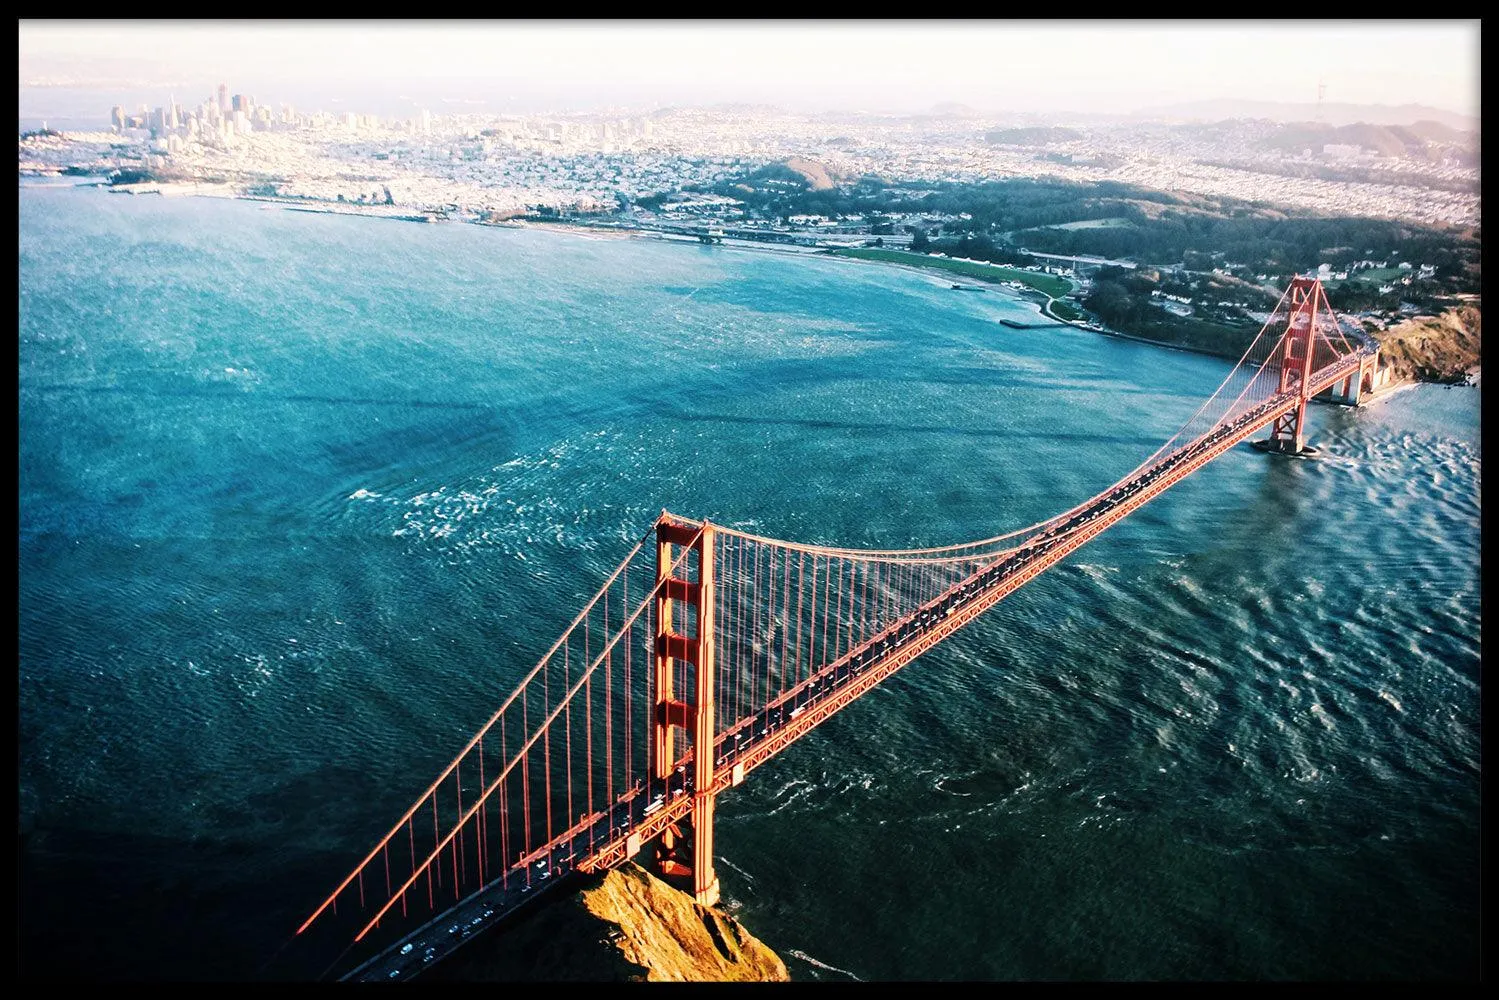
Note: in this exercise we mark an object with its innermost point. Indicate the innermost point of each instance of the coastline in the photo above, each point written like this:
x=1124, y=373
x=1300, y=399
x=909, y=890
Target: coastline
x=191, y=189
x=615, y=231
x=1034, y=296
x=1029, y=295
x=1161, y=343
x=622, y=233
x=633, y=233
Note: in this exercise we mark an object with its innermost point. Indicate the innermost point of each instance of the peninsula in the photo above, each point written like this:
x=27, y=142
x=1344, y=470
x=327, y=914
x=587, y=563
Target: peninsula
x=624, y=925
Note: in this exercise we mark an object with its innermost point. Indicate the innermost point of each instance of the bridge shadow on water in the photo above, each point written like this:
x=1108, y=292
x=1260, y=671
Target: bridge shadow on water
x=102, y=905
x=97, y=907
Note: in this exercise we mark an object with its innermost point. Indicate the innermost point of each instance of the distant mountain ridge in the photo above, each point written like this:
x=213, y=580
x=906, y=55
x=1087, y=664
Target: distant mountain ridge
x=1388, y=140
x=953, y=109
x=1331, y=114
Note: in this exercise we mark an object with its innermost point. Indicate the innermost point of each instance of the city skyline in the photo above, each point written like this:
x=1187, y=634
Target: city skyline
x=891, y=67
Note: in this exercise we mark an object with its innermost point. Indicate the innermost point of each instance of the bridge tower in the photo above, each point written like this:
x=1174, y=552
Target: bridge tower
x=692, y=712
x=1288, y=432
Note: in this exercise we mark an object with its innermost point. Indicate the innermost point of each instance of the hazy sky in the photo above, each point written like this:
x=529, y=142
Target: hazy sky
x=1107, y=67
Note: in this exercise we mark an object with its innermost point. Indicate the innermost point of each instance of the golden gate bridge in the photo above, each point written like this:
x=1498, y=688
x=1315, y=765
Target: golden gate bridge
x=710, y=650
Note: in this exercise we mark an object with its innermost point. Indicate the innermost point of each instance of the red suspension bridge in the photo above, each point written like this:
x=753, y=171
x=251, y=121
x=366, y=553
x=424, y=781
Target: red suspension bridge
x=709, y=650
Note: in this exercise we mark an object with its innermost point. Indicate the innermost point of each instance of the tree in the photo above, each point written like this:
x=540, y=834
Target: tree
x=919, y=241
x=1112, y=302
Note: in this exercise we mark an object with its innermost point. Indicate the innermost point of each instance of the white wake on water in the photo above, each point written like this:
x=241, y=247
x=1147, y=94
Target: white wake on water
x=823, y=965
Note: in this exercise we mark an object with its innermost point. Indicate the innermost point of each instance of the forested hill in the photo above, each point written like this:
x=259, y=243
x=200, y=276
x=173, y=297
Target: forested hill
x=1115, y=220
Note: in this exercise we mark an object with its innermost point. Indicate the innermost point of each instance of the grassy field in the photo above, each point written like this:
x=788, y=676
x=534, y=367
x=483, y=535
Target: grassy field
x=1377, y=274
x=1373, y=276
x=1065, y=309
x=1049, y=284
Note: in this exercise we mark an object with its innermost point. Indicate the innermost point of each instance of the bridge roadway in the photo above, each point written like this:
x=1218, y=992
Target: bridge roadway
x=610, y=837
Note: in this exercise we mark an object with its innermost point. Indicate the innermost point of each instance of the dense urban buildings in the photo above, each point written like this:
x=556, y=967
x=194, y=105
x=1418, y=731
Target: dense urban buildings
x=473, y=163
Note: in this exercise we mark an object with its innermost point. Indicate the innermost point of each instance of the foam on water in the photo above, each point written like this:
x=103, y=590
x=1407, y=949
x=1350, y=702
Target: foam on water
x=823, y=965
x=291, y=531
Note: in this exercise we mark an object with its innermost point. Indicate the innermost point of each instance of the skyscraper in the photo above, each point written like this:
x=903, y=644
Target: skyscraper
x=223, y=97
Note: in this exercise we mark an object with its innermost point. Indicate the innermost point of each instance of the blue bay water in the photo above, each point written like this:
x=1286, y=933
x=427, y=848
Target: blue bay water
x=302, y=496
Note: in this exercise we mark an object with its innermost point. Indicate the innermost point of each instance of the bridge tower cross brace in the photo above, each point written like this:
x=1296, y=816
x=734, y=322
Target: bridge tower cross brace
x=1288, y=432
x=673, y=708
